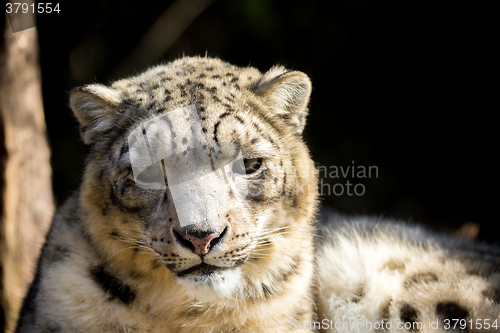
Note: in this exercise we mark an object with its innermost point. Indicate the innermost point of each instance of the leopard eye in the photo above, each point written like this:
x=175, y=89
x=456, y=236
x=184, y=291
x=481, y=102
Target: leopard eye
x=251, y=165
x=151, y=174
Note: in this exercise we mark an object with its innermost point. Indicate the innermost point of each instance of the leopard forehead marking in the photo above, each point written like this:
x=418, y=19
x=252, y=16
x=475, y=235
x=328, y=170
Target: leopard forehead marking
x=186, y=82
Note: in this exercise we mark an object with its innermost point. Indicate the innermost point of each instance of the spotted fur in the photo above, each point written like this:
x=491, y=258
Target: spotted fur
x=114, y=260
x=117, y=260
x=405, y=275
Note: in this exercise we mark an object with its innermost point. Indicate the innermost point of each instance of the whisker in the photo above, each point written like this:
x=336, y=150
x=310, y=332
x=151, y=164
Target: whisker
x=261, y=253
x=260, y=256
x=127, y=248
x=277, y=234
x=279, y=231
x=131, y=240
x=145, y=253
x=126, y=239
x=157, y=258
x=146, y=248
x=267, y=231
x=137, y=232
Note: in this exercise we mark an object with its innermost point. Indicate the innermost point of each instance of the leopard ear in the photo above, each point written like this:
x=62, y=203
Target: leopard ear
x=288, y=93
x=94, y=106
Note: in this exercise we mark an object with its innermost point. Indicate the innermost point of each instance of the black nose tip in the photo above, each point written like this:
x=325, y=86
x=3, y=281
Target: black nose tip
x=198, y=240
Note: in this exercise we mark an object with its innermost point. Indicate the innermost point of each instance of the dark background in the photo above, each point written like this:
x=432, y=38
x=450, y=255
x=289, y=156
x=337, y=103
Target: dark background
x=403, y=85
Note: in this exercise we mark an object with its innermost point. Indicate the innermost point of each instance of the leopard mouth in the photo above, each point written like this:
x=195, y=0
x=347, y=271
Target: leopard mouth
x=202, y=269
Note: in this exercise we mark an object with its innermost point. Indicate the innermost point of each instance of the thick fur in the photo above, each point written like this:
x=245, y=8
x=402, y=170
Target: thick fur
x=112, y=261
x=371, y=271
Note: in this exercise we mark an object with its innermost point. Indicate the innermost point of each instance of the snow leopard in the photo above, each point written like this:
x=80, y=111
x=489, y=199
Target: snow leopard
x=155, y=247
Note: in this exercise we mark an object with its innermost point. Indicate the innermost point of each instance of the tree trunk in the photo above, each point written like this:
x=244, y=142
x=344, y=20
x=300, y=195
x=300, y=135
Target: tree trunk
x=26, y=201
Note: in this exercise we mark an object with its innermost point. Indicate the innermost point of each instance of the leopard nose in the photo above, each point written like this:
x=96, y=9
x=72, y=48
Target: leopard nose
x=201, y=244
x=199, y=241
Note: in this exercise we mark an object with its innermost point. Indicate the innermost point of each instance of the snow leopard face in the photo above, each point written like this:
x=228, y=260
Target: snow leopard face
x=200, y=166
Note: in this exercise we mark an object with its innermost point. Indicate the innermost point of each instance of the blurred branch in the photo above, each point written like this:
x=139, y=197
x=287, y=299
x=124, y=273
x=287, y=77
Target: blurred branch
x=164, y=32
x=26, y=202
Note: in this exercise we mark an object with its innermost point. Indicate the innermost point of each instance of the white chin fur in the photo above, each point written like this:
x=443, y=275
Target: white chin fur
x=215, y=286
